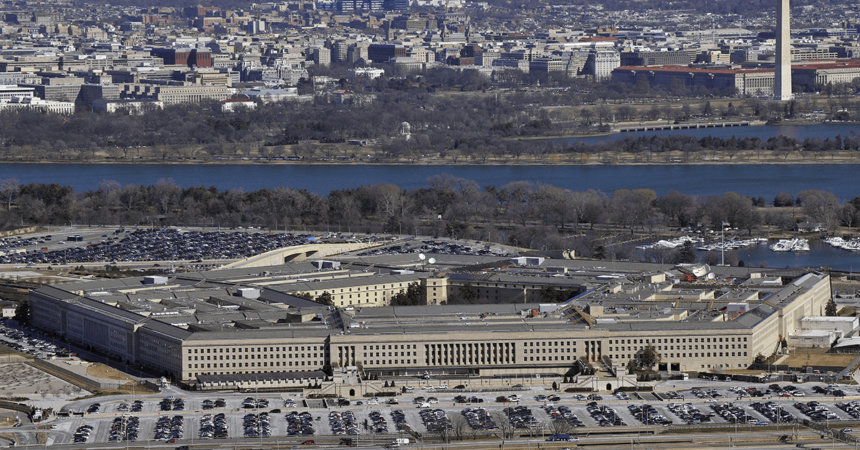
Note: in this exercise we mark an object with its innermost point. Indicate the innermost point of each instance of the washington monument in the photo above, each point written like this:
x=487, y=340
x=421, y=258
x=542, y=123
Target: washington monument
x=782, y=81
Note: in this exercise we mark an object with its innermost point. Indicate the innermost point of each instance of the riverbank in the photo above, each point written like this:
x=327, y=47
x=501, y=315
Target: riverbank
x=674, y=158
x=673, y=147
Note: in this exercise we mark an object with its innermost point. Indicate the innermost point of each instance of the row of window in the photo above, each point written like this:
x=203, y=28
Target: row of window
x=684, y=355
x=674, y=340
x=544, y=358
x=680, y=347
x=229, y=357
x=300, y=381
x=257, y=349
x=390, y=347
x=253, y=364
x=377, y=354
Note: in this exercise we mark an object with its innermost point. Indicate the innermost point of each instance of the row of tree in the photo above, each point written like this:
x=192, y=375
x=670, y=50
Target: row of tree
x=521, y=213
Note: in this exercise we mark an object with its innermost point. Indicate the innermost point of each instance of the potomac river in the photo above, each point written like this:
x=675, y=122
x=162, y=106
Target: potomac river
x=752, y=180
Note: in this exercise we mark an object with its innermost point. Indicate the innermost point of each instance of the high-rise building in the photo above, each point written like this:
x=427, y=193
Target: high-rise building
x=782, y=83
x=601, y=63
x=380, y=53
x=321, y=56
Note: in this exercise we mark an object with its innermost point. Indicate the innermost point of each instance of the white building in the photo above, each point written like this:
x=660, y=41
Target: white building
x=601, y=63
x=235, y=104
x=38, y=104
x=271, y=95
x=10, y=91
x=815, y=338
x=841, y=325
x=127, y=106
x=368, y=72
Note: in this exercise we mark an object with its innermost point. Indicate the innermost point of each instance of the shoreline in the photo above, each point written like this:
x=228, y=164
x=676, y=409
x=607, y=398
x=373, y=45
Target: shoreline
x=345, y=154
x=449, y=162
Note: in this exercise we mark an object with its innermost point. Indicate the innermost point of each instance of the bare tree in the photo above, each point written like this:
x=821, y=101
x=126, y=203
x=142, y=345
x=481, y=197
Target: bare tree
x=503, y=424
x=459, y=426
x=559, y=426
x=9, y=188
x=444, y=434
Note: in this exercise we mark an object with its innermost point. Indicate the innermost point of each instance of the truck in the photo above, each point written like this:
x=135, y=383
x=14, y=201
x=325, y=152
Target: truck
x=559, y=437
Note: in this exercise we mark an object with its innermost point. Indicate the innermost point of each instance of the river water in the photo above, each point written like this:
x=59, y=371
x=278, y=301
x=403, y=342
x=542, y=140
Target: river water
x=766, y=181
x=752, y=180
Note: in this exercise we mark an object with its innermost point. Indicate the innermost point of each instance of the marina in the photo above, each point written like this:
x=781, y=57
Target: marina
x=791, y=245
x=756, y=252
x=850, y=244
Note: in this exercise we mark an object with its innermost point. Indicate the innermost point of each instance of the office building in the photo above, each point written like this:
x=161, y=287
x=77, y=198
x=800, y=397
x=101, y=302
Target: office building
x=246, y=322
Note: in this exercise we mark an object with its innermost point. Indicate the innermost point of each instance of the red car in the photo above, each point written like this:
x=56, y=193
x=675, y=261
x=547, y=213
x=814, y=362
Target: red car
x=309, y=442
x=172, y=441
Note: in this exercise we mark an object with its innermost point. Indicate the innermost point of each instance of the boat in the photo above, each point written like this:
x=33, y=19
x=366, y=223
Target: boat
x=671, y=243
x=791, y=245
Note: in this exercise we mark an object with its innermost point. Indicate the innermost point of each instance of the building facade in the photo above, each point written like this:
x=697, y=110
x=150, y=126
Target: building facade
x=202, y=324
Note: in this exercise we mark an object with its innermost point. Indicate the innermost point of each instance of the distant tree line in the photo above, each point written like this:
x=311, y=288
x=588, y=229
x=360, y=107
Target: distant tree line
x=481, y=125
x=483, y=130
x=519, y=213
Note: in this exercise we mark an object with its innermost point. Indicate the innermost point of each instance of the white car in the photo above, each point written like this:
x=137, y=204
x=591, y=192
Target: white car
x=373, y=401
x=410, y=388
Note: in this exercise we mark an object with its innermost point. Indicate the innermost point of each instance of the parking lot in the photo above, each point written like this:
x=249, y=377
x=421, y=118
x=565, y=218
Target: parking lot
x=122, y=245
x=234, y=415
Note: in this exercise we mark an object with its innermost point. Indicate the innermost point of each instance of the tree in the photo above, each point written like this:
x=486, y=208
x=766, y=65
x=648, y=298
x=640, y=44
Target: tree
x=783, y=199
x=830, y=309
x=687, y=254
x=325, y=298
x=503, y=424
x=549, y=294
x=9, y=188
x=22, y=313
x=820, y=206
x=649, y=357
x=415, y=295
x=848, y=215
x=675, y=206
x=467, y=294
x=560, y=426
x=459, y=425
